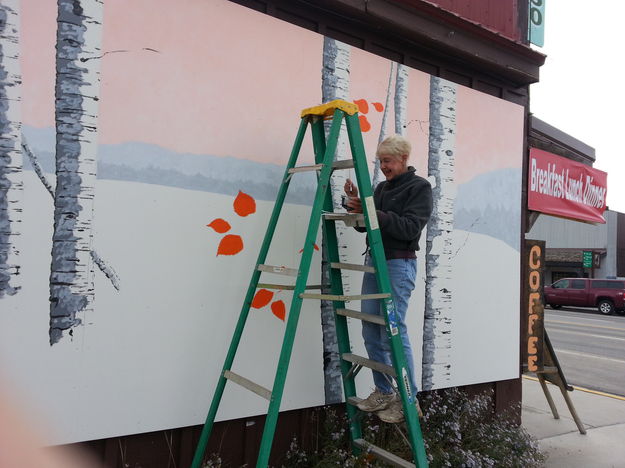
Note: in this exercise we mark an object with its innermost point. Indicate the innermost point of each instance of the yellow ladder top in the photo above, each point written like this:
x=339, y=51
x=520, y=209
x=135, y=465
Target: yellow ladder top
x=327, y=109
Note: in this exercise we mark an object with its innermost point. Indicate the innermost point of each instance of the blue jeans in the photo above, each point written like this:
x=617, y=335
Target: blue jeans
x=402, y=273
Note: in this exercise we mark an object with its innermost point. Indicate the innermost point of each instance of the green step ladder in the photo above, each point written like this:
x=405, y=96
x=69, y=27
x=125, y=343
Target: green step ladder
x=325, y=149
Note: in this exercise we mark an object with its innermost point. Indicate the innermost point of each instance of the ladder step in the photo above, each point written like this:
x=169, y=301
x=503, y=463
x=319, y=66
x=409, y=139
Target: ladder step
x=327, y=109
x=350, y=219
x=334, y=297
x=360, y=316
x=243, y=382
x=279, y=270
x=382, y=454
x=316, y=167
x=352, y=266
x=362, y=361
x=343, y=164
x=286, y=287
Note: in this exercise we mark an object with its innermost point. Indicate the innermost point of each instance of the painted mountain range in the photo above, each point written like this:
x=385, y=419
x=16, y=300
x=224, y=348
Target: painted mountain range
x=152, y=164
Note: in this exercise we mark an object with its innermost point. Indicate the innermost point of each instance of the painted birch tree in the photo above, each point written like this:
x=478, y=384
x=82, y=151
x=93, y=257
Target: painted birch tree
x=78, y=57
x=334, y=85
x=401, y=99
x=11, y=185
x=377, y=173
x=103, y=265
x=437, y=339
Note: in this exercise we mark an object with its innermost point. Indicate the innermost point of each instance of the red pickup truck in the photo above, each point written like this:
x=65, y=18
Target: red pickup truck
x=607, y=295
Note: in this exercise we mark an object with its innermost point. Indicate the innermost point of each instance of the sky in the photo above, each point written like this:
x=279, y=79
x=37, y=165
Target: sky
x=580, y=90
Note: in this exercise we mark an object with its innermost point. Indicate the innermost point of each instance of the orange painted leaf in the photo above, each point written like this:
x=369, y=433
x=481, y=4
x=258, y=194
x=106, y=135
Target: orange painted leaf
x=378, y=106
x=219, y=225
x=261, y=298
x=315, y=246
x=230, y=245
x=365, y=126
x=363, y=105
x=244, y=204
x=279, y=310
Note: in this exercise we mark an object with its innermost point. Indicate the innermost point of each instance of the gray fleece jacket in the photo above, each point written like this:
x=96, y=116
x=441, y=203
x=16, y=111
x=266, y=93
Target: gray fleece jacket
x=404, y=206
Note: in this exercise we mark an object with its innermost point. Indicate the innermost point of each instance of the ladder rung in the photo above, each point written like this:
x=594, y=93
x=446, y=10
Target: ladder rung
x=343, y=164
x=286, y=287
x=350, y=219
x=360, y=316
x=334, y=297
x=352, y=266
x=316, y=167
x=279, y=270
x=344, y=216
x=382, y=454
x=243, y=382
x=380, y=367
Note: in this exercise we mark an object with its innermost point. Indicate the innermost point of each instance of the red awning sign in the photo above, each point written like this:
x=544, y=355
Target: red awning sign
x=562, y=187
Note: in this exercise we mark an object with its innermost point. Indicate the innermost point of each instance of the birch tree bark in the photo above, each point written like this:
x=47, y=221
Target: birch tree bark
x=377, y=174
x=11, y=185
x=334, y=85
x=104, y=267
x=401, y=99
x=78, y=54
x=437, y=339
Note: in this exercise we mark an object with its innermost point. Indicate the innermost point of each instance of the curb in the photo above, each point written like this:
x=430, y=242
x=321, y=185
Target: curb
x=582, y=389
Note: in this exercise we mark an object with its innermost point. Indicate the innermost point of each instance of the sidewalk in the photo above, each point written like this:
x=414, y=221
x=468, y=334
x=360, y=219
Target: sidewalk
x=602, y=415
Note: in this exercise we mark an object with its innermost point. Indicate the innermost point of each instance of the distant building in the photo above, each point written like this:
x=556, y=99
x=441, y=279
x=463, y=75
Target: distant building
x=567, y=240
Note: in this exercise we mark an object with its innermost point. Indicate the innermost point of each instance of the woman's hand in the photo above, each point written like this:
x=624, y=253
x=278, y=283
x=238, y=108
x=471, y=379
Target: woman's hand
x=355, y=204
x=350, y=189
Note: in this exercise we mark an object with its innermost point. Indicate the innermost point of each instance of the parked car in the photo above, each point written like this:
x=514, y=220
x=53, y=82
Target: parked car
x=608, y=295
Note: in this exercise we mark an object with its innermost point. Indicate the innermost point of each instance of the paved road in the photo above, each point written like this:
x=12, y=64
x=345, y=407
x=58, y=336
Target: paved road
x=590, y=347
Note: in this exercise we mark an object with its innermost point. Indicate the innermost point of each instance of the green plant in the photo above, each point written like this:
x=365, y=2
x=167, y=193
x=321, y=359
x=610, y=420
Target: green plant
x=462, y=431
x=459, y=431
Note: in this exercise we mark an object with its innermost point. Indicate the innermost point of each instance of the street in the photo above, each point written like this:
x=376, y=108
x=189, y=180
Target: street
x=590, y=347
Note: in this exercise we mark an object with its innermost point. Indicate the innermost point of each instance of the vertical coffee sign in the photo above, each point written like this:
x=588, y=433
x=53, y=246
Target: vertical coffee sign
x=534, y=307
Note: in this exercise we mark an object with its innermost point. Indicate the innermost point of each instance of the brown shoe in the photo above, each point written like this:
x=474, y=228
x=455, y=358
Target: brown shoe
x=395, y=412
x=376, y=401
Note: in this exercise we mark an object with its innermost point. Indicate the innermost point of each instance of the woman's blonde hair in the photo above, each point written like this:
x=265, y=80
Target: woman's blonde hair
x=395, y=145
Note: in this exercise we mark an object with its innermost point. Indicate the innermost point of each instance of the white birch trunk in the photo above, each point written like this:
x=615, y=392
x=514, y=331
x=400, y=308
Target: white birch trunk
x=334, y=85
x=104, y=267
x=11, y=185
x=377, y=174
x=401, y=99
x=437, y=339
x=78, y=54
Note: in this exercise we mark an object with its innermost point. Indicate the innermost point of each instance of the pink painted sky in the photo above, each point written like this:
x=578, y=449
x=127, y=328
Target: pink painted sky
x=229, y=81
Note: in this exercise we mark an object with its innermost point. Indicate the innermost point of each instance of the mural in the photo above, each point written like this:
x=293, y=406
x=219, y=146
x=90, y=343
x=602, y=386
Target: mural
x=161, y=151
